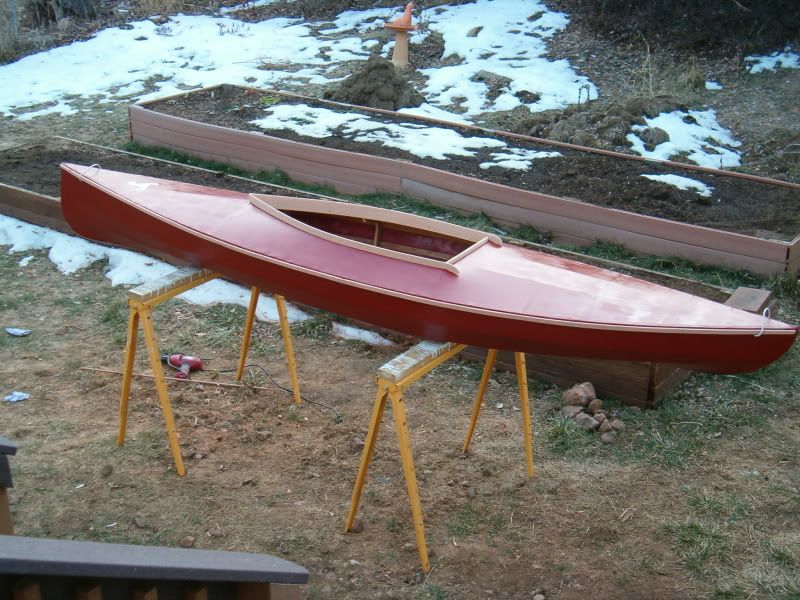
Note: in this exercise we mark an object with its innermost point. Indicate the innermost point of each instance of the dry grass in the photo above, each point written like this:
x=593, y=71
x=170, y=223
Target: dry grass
x=161, y=7
x=8, y=28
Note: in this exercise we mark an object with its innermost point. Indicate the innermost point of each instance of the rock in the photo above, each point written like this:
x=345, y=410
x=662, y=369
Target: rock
x=187, y=542
x=579, y=394
x=570, y=411
x=497, y=83
x=356, y=445
x=609, y=437
x=527, y=97
x=594, y=406
x=614, y=130
x=651, y=107
x=139, y=521
x=600, y=417
x=216, y=532
x=618, y=425
x=377, y=85
x=491, y=79
x=561, y=131
x=474, y=31
x=539, y=597
x=263, y=436
x=587, y=422
x=106, y=470
x=605, y=426
x=584, y=138
x=653, y=136
x=358, y=526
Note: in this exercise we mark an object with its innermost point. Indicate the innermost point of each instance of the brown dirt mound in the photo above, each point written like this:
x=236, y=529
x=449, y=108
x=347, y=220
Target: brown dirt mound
x=377, y=85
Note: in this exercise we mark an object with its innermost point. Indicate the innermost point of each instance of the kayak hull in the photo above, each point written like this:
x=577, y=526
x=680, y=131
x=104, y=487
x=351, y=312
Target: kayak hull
x=100, y=214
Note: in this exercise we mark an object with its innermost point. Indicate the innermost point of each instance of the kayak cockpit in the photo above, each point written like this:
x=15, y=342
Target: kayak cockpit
x=377, y=230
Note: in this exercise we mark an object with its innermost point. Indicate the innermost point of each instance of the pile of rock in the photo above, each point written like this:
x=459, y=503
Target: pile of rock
x=601, y=124
x=583, y=406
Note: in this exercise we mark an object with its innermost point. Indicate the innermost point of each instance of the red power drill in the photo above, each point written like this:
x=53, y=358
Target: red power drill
x=183, y=364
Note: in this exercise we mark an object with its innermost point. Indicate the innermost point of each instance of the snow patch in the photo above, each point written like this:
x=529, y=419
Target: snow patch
x=418, y=139
x=696, y=133
x=184, y=53
x=683, y=183
x=150, y=61
x=70, y=253
x=508, y=45
x=517, y=158
x=349, y=332
x=771, y=62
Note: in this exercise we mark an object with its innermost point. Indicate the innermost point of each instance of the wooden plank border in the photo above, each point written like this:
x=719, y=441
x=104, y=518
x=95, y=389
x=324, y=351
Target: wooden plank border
x=564, y=218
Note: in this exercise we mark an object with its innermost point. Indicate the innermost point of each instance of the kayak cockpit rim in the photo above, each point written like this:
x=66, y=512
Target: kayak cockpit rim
x=462, y=240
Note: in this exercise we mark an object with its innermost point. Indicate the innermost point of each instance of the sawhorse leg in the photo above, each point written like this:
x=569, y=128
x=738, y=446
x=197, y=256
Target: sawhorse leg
x=127, y=373
x=286, y=333
x=248, y=330
x=404, y=440
x=491, y=357
x=288, y=346
x=161, y=387
x=524, y=404
x=366, y=453
x=527, y=430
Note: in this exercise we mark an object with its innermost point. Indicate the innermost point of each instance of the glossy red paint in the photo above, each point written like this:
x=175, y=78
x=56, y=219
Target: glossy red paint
x=503, y=297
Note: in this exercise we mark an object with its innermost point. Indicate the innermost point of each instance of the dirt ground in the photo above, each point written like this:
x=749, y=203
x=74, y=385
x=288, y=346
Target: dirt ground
x=35, y=167
x=698, y=499
x=263, y=476
x=594, y=178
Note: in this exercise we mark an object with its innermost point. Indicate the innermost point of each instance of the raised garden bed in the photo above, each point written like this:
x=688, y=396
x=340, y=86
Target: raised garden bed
x=29, y=190
x=30, y=180
x=746, y=223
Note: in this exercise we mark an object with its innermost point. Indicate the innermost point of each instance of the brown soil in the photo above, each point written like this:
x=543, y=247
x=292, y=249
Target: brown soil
x=594, y=178
x=35, y=168
x=266, y=477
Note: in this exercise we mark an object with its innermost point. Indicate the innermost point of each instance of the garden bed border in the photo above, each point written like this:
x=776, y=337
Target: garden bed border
x=565, y=219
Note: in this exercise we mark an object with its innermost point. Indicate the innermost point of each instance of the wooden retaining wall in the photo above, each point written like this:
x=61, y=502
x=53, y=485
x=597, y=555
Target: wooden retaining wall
x=33, y=208
x=565, y=219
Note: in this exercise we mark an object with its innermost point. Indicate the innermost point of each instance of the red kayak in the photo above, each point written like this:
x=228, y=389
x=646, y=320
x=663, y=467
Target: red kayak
x=416, y=275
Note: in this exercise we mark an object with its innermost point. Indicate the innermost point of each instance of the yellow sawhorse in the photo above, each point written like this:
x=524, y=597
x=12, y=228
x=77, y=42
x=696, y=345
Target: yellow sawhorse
x=141, y=302
x=393, y=379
